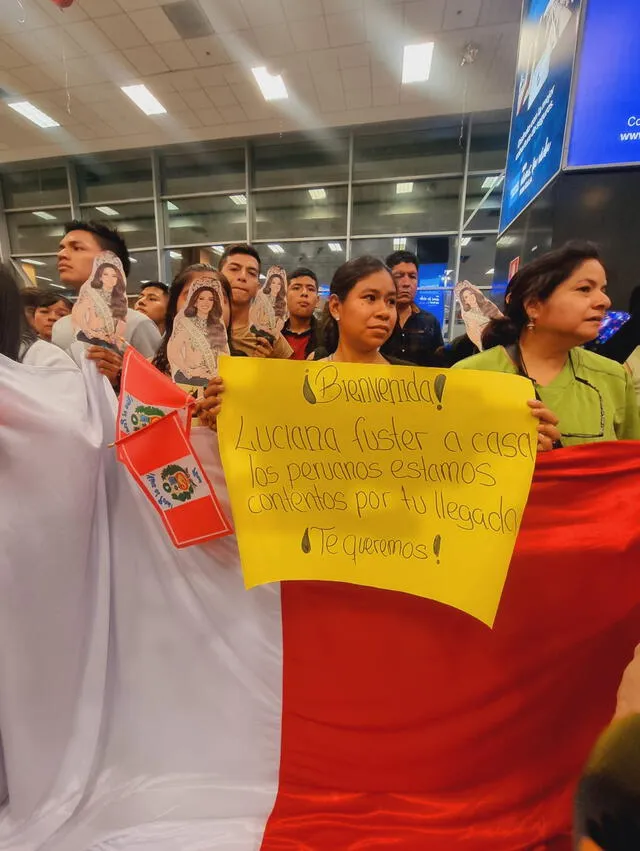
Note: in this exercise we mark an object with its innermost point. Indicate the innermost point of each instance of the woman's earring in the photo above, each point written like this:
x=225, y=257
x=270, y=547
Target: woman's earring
x=531, y=324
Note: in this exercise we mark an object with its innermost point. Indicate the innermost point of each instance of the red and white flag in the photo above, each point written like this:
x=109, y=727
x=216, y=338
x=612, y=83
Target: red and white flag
x=186, y=713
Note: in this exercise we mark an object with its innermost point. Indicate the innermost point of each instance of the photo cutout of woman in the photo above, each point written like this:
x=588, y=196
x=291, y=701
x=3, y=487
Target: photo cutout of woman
x=477, y=311
x=199, y=336
x=263, y=321
x=100, y=312
x=275, y=288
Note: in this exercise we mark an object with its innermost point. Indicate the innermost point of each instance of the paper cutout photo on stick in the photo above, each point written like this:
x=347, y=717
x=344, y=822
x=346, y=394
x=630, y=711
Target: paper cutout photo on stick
x=275, y=288
x=262, y=318
x=477, y=310
x=199, y=335
x=99, y=315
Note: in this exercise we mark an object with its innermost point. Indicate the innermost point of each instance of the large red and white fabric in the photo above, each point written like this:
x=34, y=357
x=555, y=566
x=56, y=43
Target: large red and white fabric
x=147, y=701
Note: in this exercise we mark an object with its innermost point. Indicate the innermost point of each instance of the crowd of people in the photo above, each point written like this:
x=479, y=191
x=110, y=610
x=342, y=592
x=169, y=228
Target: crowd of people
x=554, y=306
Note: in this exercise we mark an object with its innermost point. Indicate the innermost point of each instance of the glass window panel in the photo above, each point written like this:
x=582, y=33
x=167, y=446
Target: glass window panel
x=405, y=207
x=211, y=220
x=294, y=213
x=436, y=259
x=107, y=178
x=187, y=170
x=35, y=187
x=489, y=141
x=283, y=162
x=315, y=255
x=136, y=222
x=484, y=197
x=39, y=271
x=144, y=267
x=29, y=232
x=409, y=150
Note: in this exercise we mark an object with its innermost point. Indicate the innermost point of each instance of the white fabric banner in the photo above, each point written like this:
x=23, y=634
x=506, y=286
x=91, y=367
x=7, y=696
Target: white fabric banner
x=140, y=685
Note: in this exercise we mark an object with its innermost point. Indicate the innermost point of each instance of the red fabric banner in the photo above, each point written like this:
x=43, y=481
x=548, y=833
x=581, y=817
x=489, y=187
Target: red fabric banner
x=410, y=725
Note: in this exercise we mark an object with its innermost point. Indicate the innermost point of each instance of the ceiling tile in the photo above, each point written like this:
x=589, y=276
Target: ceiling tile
x=383, y=74
x=310, y=34
x=346, y=28
x=174, y=102
x=331, y=6
x=145, y=60
x=161, y=83
x=425, y=17
x=247, y=94
x=356, y=78
x=221, y=96
x=323, y=60
x=187, y=118
x=461, y=14
x=135, y=5
x=298, y=10
x=225, y=15
x=155, y=25
x=35, y=79
x=355, y=56
x=500, y=12
x=263, y=13
x=93, y=94
x=100, y=8
x=274, y=40
x=90, y=37
x=184, y=81
x=122, y=31
x=233, y=114
x=358, y=98
x=208, y=50
x=50, y=42
x=177, y=55
x=197, y=99
x=210, y=117
x=10, y=58
x=211, y=76
x=235, y=73
x=386, y=96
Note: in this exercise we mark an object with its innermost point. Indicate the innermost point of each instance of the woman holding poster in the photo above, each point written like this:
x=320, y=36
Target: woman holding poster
x=553, y=306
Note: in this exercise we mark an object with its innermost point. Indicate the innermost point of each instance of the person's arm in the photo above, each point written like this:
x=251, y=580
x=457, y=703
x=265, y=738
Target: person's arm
x=146, y=338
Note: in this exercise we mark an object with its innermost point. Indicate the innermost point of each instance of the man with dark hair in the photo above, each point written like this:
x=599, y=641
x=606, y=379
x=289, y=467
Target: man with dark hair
x=240, y=264
x=301, y=328
x=417, y=334
x=153, y=302
x=81, y=244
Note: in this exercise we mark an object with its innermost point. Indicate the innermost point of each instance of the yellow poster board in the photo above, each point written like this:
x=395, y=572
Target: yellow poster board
x=402, y=478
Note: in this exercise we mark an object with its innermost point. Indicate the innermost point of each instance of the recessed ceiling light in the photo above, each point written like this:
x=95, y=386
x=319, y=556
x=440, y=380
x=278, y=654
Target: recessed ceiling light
x=173, y=208
x=144, y=100
x=276, y=248
x=218, y=249
x=42, y=278
x=145, y=282
x=239, y=200
x=335, y=247
x=318, y=194
x=37, y=116
x=271, y=85
x=175, y=255
x=46, y=216
x=32, y=262
x=465, y=241
x=416, y=65
x=404, y=188
x=400, y=243
x=490, y=271
x=58, y=286
x=107, y=211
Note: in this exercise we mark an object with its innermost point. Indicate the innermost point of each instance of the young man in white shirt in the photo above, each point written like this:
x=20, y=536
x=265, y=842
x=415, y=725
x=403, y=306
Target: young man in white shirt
x=82, y=242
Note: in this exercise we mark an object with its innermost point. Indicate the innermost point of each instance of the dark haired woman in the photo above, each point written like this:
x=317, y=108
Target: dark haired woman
x=49, y=309
x=18, y=340
x=360, y=314
x=553, y=306
x=276, y=288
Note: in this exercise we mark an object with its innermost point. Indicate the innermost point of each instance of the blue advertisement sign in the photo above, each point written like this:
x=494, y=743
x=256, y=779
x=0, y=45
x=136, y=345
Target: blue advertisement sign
x=606, y=113
x=548, y=40
x=431, y=294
